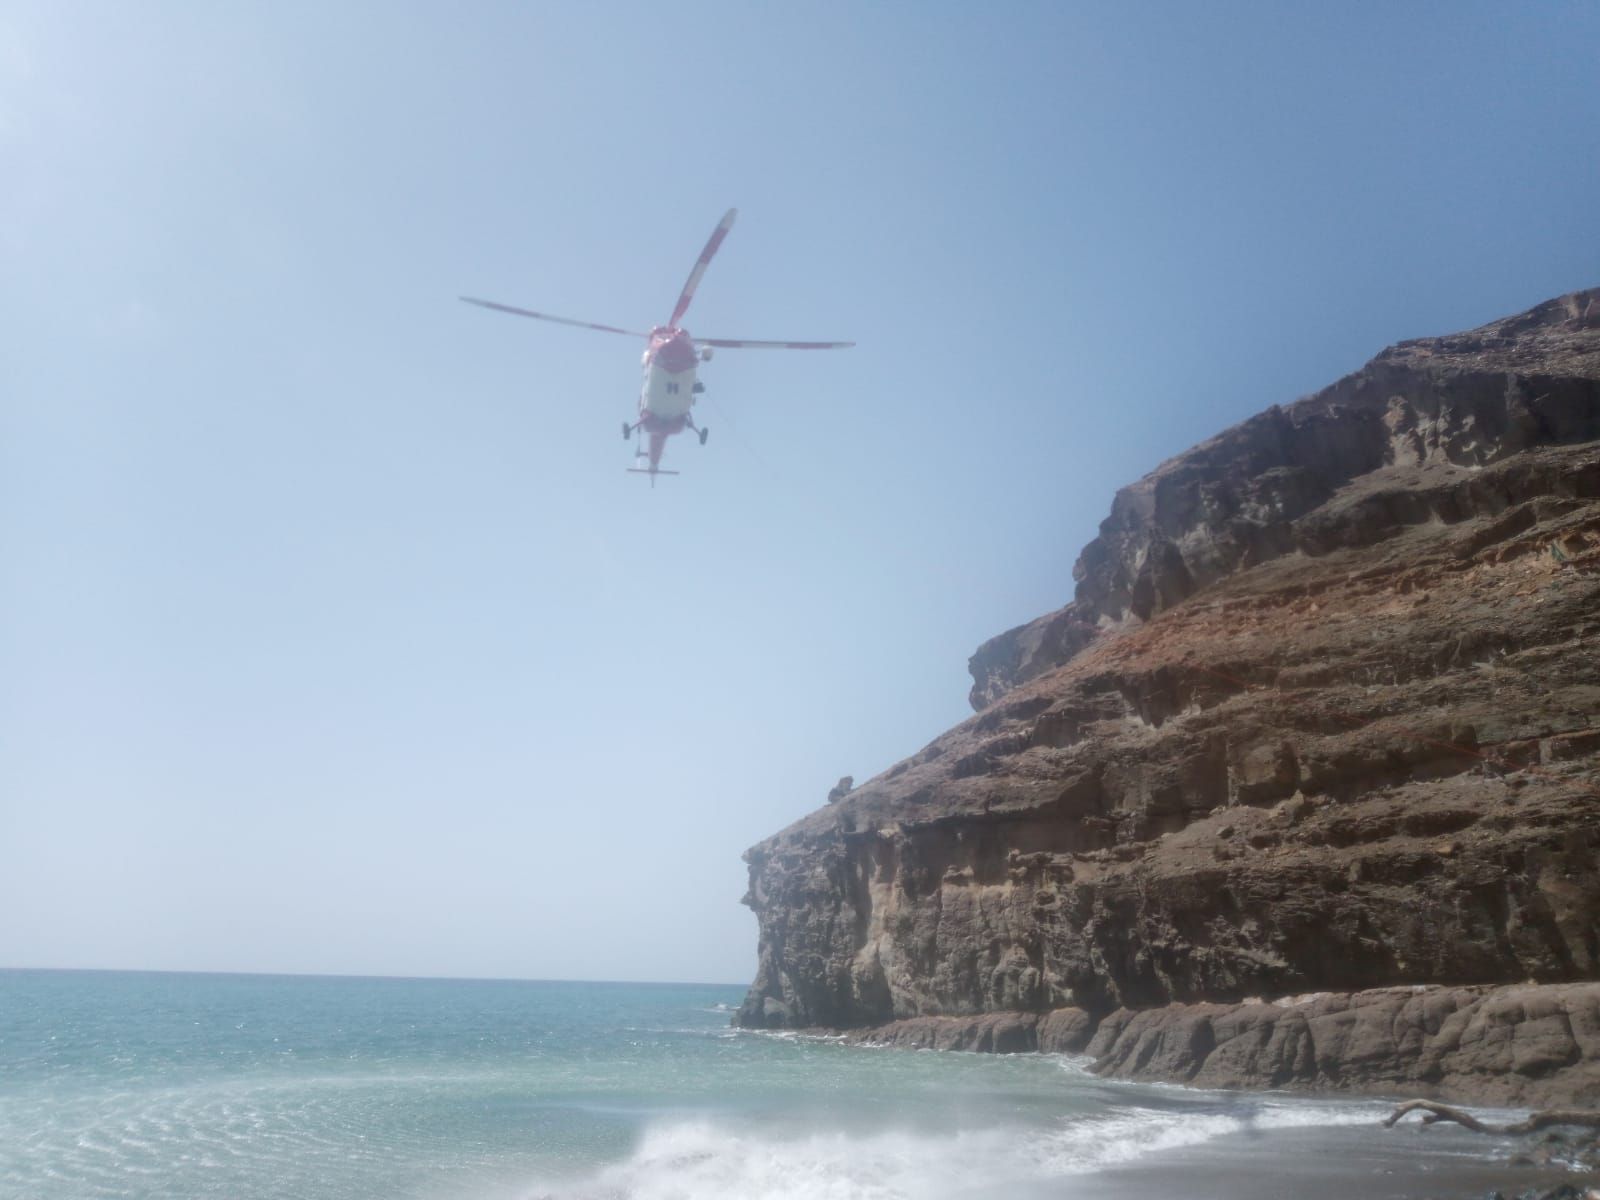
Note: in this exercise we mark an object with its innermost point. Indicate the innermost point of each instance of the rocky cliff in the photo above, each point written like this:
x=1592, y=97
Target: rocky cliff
x=1323, y=716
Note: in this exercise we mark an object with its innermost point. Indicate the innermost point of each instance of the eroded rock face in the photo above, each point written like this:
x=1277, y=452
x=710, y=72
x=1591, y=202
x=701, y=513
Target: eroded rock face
x=1509, y=1045
x=1532, y=1044
x=991, y=1033
x=1324, y=715
x=1468, y=400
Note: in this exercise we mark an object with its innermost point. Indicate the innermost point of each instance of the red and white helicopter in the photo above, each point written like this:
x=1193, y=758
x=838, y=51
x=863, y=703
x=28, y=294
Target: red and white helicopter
x=670, y=358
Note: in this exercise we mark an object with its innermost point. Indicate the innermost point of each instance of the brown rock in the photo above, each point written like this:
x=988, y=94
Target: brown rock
x=986, y=1033
x=1536, y=1045
x=1409, y=791
x=1065, y=1031
x=1511, y=1045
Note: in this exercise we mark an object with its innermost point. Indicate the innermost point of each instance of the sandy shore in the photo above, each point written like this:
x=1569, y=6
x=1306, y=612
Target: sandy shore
x=1342, y=1164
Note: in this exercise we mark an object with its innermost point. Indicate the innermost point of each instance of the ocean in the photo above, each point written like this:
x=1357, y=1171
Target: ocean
x=243, y=1087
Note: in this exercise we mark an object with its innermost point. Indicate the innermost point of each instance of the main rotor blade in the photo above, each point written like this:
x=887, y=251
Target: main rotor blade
x=735, y=344
x=712, y=245
x=523, y=312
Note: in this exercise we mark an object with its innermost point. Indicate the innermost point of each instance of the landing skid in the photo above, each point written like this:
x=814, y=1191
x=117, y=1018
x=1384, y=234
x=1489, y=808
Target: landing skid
x=648, y=471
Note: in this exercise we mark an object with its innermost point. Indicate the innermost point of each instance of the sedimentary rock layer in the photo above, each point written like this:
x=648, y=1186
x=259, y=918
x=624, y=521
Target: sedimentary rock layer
x=1323, y=716
x=1238, y=500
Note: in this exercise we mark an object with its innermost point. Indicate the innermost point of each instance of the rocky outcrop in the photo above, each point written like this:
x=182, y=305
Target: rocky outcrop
x=989, y=1033
x=1527, y=1044
x=1059, y=1031
x=1237, y=500
x=1323, y=716
x=1512, y=1045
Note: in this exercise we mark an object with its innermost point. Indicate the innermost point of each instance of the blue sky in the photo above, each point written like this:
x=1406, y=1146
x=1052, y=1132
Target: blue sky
x=334, y=638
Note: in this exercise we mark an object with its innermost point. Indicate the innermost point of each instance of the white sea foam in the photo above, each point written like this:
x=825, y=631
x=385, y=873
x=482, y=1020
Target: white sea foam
x=702, y=1160
x=1093, y=1143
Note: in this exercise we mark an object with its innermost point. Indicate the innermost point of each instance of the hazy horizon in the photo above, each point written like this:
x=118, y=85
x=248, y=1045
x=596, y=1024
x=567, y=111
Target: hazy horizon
x=683, y=983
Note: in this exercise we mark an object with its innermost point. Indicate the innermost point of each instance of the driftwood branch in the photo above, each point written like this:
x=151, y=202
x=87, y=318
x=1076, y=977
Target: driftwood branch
x=1434, y=1112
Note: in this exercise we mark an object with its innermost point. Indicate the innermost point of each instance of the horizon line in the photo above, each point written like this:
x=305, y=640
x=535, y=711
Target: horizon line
x=338, y=975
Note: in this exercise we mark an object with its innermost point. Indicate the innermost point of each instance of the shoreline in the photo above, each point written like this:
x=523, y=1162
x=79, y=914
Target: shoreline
x=1497, y=1164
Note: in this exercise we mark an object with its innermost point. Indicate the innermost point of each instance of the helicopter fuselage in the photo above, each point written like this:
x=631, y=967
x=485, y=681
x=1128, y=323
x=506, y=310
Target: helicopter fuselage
x=668, y=392
x=669, y=365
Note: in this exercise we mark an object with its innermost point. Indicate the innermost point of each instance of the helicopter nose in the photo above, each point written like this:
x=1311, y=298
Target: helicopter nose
x=677, y=354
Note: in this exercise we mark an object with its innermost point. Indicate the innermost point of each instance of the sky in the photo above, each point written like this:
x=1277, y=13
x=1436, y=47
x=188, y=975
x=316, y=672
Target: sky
x=334, y=637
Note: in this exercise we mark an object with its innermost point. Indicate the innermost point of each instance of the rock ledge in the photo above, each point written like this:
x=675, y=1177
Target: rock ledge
x=1520, y=1045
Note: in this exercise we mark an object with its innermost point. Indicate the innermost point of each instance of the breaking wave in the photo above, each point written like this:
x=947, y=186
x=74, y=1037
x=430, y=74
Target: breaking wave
x=702, y=1160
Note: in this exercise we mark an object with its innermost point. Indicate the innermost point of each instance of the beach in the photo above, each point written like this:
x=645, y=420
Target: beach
x=250, y=1087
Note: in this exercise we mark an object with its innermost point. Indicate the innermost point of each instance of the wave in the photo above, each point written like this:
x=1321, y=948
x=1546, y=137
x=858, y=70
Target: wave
x=802, y=1035
x=1117, y=1139
x=702, y=1160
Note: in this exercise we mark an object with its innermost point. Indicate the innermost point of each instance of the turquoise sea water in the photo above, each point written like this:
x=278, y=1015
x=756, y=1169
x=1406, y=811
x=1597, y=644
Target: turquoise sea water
x=246, y=1087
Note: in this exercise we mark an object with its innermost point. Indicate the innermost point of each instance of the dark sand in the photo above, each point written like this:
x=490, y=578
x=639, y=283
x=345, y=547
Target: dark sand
x=1349, y=1163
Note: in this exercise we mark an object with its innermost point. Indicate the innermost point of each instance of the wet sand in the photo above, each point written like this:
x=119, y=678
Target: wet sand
x=1341, y=1164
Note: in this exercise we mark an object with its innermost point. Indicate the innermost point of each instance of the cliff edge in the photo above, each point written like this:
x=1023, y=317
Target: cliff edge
x=1323, y=717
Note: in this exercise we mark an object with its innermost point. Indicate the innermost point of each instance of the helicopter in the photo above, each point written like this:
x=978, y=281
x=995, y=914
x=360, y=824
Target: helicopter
x=670, y=360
